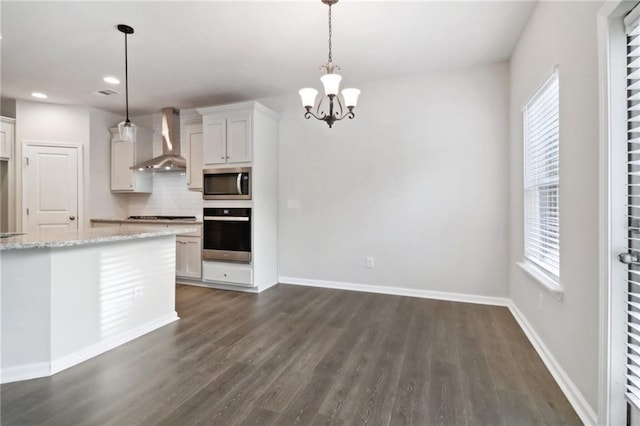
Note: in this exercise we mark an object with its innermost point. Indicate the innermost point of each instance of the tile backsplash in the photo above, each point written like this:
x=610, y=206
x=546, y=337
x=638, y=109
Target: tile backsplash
x=170, y=197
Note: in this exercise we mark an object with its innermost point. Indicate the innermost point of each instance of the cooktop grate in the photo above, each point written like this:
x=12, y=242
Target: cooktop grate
x=163, y=217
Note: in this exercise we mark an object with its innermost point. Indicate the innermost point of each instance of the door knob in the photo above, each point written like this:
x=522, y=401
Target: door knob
x=628, y=258
x=72, y=218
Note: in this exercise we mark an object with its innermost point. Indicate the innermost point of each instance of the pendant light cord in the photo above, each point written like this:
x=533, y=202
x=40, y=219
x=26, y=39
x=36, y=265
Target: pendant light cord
x=126, y=76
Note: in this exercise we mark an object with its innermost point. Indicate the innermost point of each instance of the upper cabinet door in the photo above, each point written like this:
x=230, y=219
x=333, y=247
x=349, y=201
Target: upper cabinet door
x=239, y=139
x=6, y=139
x=194, y=156
x=122, y=157
x=215, y=141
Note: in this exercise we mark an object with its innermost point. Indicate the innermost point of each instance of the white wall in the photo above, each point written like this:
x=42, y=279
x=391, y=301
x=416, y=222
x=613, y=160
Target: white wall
x=103, y=203
x=563, y=34
x=38, y=121
x=418, y=180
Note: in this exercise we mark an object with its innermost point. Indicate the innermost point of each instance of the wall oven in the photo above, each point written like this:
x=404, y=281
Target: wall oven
x=226, y=234
x=226, y=184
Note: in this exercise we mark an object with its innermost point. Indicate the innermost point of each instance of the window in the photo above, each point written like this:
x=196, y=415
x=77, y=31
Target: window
x=541, y=179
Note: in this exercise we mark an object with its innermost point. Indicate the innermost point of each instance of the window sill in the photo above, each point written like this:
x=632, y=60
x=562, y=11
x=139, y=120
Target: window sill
x=542, y=279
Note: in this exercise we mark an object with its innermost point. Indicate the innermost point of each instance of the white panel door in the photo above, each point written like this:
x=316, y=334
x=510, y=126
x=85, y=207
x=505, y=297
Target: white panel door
x=50, y=187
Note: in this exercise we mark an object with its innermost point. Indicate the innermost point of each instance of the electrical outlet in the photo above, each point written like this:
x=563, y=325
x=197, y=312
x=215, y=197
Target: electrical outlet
x=371, y=263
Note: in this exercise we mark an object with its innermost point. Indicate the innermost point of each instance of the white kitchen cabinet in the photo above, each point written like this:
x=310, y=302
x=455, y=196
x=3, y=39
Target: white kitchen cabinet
x=227, y=273
x=7, y=126
x=124, y=154
x=227, y=138
x=246, y=132
x=188, y=257
x=193, y=134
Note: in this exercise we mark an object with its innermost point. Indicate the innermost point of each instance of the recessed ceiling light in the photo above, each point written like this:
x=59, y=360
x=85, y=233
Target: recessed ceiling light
x=39, y=95
x=111, y=80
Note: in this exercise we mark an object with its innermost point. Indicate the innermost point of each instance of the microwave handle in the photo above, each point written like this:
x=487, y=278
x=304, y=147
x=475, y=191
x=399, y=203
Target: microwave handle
x=238, y=182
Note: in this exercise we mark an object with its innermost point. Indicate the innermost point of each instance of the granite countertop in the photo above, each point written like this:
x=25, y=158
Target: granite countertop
x=58, y=238
x=153, y=221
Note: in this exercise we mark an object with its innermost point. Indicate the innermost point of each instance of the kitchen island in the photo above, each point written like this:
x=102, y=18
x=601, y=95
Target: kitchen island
x=67, y=296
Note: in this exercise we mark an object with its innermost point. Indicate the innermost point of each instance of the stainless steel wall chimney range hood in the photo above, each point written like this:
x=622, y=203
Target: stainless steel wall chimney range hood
x=170, y=160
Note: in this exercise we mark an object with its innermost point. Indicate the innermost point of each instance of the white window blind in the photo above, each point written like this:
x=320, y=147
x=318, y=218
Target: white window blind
x=541, y=178
x=633, y=207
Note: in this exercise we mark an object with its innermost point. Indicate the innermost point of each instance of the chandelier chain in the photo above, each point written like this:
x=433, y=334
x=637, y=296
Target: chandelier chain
x=330, y=33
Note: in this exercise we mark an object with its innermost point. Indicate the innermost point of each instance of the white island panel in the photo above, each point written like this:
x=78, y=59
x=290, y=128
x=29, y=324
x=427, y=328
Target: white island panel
x=25, y=312
x=64, y=305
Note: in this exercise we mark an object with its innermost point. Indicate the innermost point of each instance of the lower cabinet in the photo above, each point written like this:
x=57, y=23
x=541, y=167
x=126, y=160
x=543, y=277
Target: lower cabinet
x=188, y=257
x=231, y=273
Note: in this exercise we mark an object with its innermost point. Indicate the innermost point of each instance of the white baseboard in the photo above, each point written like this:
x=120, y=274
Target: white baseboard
x=399, y=291
x=220, y=286
x=76, y=358
x=44, y=369
x=25, y=372
x=575, y=397
x=266, y=286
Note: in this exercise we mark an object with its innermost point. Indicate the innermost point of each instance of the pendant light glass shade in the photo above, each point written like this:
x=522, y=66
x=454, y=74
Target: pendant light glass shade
x=331, y=83
x=127, y=131
x=308, y=96
x=350, y=97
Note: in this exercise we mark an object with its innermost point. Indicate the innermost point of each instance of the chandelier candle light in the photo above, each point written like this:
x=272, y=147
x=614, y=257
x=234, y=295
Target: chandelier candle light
x=126, y=129
x=331, y=83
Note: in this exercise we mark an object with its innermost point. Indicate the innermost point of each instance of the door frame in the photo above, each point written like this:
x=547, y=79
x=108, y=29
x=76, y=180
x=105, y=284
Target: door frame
x=612, y=407
x=80, y=175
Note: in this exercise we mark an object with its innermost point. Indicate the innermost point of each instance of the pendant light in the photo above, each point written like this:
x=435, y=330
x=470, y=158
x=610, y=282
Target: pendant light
x=126, y=128
x=331, y=83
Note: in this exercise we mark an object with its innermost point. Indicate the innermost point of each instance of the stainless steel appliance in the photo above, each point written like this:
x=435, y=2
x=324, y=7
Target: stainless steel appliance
x=226, y=184
x=226, y=234
x=170, y=160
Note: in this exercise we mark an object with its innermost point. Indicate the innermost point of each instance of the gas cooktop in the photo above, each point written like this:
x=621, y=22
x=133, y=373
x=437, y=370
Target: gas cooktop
x=163, y=217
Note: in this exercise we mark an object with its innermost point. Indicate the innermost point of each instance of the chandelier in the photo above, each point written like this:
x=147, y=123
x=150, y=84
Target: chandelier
x=126, y=129
x=331, y=83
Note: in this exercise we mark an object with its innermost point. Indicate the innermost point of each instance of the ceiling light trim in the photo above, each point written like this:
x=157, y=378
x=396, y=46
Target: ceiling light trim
x=111, y=80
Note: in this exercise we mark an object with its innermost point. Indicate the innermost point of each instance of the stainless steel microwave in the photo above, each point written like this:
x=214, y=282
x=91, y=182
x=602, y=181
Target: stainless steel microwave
x=226, y=183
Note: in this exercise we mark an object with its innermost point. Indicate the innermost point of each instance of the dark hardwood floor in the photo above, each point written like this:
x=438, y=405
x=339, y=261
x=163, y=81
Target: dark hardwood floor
x=306, y=356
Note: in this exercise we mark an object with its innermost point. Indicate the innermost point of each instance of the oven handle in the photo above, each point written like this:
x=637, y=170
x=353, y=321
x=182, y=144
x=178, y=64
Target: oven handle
x=227, y=218
x=238, y=180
